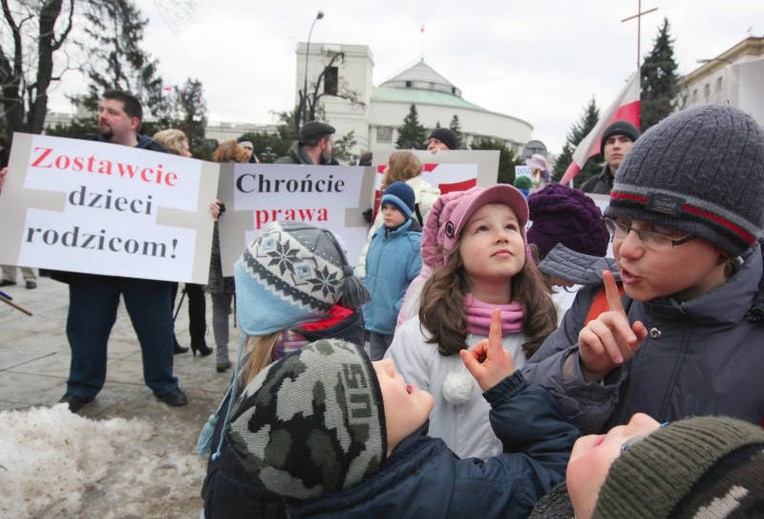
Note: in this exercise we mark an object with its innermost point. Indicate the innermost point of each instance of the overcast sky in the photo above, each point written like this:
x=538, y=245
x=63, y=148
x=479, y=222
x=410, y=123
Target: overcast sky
x=539, y=60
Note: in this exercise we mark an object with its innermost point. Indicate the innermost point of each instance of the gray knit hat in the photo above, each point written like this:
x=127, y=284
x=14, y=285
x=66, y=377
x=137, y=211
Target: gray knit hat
x=705, y=464
x=700, y=170
x=312, y=422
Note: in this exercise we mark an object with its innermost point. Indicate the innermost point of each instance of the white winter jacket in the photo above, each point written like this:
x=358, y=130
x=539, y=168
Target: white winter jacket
x=465, y=426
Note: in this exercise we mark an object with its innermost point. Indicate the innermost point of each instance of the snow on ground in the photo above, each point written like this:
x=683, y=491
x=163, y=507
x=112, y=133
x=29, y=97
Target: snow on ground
x=54, y=463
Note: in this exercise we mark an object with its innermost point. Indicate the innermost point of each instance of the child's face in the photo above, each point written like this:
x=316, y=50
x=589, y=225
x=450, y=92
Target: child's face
x=492, y=246
x=406, y=407
x=591, y=459
x=391, y=215
x=684, y=271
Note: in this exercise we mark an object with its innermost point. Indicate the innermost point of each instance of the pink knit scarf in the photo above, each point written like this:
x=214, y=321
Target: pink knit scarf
x=479, y=316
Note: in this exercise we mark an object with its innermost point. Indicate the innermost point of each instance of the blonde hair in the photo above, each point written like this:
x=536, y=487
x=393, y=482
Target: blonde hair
x=261, y=353
x=230, y=151
x=172, y=139
x=401, y=166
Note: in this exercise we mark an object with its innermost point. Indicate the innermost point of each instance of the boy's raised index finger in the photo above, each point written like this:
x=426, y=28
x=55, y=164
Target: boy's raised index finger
x=611, y=292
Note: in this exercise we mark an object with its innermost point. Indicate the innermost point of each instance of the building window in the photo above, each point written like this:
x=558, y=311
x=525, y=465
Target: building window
x=408, y=84
x=707, y=91
x=385, y=134
x=719, y=82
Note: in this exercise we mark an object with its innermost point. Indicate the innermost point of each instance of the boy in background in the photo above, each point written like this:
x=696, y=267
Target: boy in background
x=392, y=262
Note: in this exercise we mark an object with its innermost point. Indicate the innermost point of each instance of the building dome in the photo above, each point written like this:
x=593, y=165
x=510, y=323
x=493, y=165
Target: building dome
x=422, y=77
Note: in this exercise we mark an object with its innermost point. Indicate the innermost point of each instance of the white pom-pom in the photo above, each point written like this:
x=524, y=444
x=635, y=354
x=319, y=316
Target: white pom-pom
x=458, y=387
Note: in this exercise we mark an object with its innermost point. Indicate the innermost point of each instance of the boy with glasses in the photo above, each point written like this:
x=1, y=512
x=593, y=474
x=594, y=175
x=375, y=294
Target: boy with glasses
x=687, y=337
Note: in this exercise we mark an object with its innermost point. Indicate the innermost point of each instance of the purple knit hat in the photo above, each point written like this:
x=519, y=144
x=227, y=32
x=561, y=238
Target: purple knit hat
x=561, y=214
x=451, y=212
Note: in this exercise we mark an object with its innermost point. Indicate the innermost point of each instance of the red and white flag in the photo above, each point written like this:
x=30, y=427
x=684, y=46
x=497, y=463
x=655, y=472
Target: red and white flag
x=625, y=107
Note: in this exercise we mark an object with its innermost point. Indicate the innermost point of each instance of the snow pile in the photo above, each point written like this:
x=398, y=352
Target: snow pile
x=56, y=463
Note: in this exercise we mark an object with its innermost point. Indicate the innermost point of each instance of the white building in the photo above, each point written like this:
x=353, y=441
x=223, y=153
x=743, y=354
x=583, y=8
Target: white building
x=736, y=76
x=380, y=110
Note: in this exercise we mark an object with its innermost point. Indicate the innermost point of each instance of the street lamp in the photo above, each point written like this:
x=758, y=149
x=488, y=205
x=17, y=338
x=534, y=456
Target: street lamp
x=319, y=15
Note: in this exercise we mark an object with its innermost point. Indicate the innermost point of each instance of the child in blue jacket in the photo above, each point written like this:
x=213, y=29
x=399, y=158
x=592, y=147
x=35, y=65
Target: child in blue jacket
x=392, y=262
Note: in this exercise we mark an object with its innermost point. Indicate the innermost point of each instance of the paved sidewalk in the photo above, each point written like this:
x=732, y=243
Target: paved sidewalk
x=34, y=365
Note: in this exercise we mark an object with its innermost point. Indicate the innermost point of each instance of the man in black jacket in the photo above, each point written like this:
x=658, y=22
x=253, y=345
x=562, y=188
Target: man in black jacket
x=93, y=299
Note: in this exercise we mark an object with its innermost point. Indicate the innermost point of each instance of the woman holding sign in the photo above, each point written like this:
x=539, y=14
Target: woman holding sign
x=221, y=288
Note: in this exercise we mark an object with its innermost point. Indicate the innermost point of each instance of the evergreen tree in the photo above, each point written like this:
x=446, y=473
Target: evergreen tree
x=117, y=58
x=578, y=131
x=457, y=128
x=342, y=147
x=659, y=80
x=412, y=135
x=186, y=110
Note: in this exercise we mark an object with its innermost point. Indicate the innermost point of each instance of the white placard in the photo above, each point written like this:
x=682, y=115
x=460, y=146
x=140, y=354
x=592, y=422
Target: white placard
x=88, y=206
x=331, y=197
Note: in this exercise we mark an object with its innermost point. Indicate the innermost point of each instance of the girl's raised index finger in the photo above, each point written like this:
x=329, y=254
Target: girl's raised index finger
x=611, y=291
x=494, y=331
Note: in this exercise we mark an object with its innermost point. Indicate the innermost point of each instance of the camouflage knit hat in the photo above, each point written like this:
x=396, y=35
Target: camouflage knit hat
x=701, y=171
x=293, y=273
x=700, y=467
x=312, y=422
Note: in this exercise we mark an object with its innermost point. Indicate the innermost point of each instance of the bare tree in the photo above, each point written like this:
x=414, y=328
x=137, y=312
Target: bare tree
x=32, y=33
x=314, y=97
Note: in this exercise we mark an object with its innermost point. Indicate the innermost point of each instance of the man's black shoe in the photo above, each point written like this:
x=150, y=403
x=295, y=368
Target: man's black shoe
x=6, y=282
x=74, y=402
x=175, y=398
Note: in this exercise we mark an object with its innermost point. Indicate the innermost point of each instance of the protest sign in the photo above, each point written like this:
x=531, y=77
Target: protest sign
x=455, y=170
x=332, y=197
x=87, y=206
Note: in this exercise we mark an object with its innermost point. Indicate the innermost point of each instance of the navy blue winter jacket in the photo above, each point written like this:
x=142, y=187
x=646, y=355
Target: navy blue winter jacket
x=423, y=478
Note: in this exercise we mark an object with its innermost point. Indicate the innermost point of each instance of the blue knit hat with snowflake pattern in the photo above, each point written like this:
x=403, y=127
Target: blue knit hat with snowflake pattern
x=293, y=273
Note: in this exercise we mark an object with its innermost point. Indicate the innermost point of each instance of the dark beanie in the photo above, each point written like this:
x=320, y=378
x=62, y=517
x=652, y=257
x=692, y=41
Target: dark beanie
x=447, y=136
x=401, y=196
x=700, y=467
x=700, y=170
x=312, y=422
x=561, y=214
x=619, y=128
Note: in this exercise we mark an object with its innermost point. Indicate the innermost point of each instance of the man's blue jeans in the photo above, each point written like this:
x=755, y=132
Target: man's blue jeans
x=93, y=302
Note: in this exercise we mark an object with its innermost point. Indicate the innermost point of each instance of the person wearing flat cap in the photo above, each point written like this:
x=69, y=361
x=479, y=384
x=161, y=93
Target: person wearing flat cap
x=314, y=146
x=617, y=140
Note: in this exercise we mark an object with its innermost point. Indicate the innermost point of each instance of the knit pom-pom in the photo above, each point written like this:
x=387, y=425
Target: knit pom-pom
x=354, y=292
x=458, y=387
x=204, y=442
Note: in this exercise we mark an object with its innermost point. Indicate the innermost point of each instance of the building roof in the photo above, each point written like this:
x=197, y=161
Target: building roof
x=421, y=76
x=384, y=94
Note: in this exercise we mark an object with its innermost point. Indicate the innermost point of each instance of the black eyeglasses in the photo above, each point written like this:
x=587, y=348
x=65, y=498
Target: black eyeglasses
x=652, y=240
